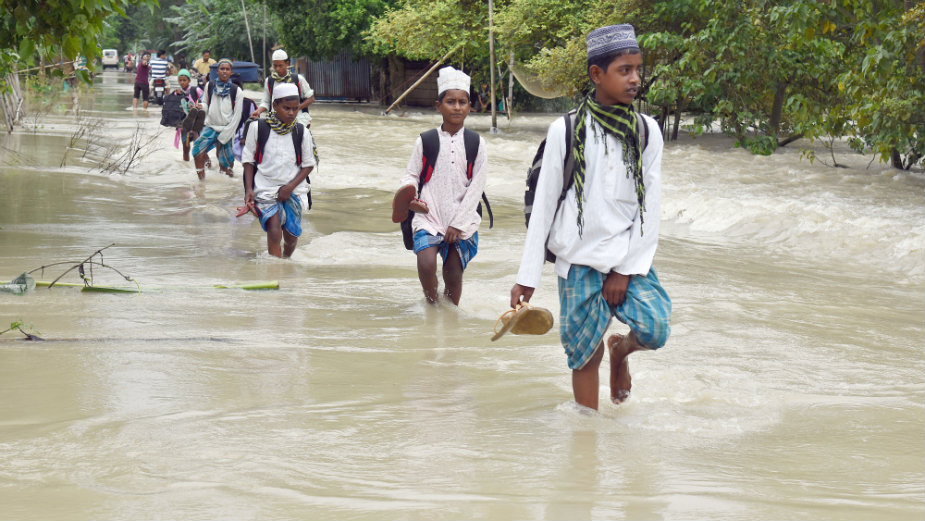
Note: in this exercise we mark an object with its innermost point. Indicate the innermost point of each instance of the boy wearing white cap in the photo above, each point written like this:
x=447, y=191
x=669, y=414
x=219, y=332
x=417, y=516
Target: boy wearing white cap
x=281, y=74
x=601, y=221
x=277, y=159
x=446, y=191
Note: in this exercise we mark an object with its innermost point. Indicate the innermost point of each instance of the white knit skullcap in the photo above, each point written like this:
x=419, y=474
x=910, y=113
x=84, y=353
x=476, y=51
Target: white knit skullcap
x=451, y=78
x=280, y=54
x=284, y=90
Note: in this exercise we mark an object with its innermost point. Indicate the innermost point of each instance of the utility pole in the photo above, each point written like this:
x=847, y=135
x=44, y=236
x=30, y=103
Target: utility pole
x=248, y=27
x=263, y=59
x=491, y=65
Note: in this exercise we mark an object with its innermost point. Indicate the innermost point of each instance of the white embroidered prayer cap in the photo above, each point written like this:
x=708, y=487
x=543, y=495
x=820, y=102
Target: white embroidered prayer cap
x=284, y=90
x=280, y=54
x=450, y=78
x=612, y=38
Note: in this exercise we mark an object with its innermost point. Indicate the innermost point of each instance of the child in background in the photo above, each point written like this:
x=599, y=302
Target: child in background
x=222, y=102
x=450, y=196
x=191, y=97
x=276, y=185
x=280, y=74
x=605, y=231
x=142, y=88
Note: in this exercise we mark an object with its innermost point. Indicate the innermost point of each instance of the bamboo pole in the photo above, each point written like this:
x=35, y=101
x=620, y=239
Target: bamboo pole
x=248, y=27
x=491, y=66
x=426, y=74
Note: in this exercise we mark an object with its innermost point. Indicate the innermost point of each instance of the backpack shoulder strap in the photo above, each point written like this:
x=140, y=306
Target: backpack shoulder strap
x=643, y=131
x=298, y=85
x=270, y=83
x=234, y=95
x=298, y=132
x=569, y=163
x=472, y=140
x=263, y=133
x=430, y=142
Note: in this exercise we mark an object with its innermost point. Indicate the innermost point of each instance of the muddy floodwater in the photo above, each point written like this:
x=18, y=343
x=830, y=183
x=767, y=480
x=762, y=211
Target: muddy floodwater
x=793, y=385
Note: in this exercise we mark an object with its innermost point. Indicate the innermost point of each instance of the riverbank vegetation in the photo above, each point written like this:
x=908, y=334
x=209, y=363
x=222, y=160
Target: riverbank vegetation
x=767, y=73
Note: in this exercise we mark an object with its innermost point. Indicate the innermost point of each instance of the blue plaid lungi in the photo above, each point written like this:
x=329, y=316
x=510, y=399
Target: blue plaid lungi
x=584, y=315
x=467, y=248
x=207, y=140
x=290, y=214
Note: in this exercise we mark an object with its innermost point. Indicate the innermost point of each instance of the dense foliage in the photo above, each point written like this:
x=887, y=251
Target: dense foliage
x=322, y=28
x=219, y=26
x=766, y=72
x=31, y=30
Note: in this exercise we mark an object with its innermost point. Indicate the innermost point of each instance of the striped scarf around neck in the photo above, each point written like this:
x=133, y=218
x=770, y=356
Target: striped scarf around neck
x=287, y=78
x=222, y=88
x=620, y=121
x=278, y=126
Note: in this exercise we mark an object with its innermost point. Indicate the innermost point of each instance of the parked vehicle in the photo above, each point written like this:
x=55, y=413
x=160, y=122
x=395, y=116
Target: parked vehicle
x=247, y=72
x=110, y=59
x=159, y=91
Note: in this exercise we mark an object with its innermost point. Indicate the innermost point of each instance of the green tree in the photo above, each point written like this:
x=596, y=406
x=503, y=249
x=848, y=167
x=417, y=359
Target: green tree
x=883, y=82
x=218, y=25
x=32, y=30
x=322, y=28
x=428, y=29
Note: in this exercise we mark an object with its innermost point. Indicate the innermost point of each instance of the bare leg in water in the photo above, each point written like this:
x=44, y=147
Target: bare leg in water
x=427, y=273
x=453, y=276
x=586, y=381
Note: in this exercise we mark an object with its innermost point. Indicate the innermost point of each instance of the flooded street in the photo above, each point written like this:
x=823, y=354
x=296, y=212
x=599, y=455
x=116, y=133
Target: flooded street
x=793, y=386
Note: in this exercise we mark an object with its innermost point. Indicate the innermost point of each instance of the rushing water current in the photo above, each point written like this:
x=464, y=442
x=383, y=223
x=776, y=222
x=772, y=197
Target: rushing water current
x=793, y=386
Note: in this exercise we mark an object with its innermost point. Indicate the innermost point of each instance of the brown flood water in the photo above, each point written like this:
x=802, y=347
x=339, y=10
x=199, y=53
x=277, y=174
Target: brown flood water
x=793, y=386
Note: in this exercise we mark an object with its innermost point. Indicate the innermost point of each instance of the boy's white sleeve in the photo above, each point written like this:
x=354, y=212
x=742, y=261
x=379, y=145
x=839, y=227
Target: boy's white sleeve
x=413, y=172
x=641, y=249
x=204, y=99
x=307, y=90
x=227, y=133
x=463, y=217
x=250, y=145
x=265, y=101
x=548, y=188
x=308, y=155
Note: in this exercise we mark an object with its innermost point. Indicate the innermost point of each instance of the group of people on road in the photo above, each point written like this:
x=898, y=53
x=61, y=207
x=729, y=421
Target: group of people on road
x=595, y=212
x=146, y=71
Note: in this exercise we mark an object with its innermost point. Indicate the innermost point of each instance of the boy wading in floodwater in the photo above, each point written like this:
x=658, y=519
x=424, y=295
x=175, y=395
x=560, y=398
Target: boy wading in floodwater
x=280, y=75
x=277, y=159
x=222, y=102
x=605, y=231
x=445, y=193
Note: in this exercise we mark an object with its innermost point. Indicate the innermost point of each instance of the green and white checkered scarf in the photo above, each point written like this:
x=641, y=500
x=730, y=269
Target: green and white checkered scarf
x=619, y=121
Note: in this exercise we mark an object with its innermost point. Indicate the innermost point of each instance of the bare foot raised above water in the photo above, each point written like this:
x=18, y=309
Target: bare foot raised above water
x=620, y=380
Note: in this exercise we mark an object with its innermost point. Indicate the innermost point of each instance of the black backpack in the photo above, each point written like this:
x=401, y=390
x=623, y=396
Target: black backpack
x=533, y=173
x=172, y=113
x=263, y=134
x=430, y=142
x=249, y=107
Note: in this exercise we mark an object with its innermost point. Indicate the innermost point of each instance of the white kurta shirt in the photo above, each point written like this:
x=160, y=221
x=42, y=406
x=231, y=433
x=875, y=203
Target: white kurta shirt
x=221, y=116
x=451, y=198
x=306, y=92
x=278, y=166
x=610, y=240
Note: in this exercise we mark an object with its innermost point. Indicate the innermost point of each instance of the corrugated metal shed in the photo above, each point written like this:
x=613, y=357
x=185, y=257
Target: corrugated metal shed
x=341, y=78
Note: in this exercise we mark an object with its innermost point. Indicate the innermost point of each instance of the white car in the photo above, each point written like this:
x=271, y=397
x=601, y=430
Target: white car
x=110, y=58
